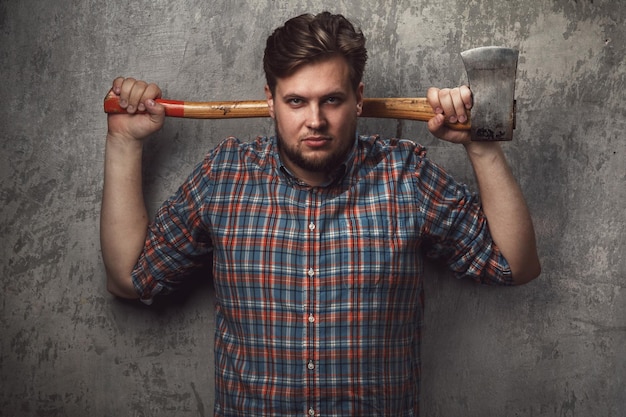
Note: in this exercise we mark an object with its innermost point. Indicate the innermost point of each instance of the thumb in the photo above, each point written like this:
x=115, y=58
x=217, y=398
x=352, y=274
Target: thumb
x=156, y=111
x=436, y=124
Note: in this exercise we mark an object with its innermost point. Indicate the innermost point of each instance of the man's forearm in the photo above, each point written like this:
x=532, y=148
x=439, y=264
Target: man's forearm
x=507, y=214
x=123, y=219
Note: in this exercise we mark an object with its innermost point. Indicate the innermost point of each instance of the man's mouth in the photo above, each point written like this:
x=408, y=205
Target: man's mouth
x=316, y=141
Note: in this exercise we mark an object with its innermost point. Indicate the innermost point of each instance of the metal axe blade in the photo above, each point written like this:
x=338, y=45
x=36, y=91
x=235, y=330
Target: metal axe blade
x=491, y=75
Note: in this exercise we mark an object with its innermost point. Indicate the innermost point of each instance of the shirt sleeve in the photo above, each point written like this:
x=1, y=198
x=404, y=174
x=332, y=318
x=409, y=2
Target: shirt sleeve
x=178, y=240
x=455, y=228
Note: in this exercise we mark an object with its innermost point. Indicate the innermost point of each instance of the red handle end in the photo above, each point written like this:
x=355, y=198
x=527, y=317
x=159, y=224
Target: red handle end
x=173, y=108
x=112, y=104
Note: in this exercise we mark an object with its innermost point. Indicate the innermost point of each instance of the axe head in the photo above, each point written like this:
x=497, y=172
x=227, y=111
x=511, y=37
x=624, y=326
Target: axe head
x=491, y=75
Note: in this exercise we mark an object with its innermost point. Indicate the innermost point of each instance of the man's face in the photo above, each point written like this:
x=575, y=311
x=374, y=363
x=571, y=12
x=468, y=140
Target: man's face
x=315, y=111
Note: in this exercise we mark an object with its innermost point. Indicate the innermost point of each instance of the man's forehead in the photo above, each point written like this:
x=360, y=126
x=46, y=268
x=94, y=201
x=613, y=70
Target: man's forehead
x=327, y=77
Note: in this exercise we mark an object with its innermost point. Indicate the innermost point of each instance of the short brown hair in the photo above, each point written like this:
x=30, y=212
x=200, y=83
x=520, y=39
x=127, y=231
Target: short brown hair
x=310, y=38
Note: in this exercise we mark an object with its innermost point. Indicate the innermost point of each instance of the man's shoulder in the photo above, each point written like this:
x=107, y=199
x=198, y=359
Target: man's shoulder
x=377, y=148
x=234, y=150
x=235, y=144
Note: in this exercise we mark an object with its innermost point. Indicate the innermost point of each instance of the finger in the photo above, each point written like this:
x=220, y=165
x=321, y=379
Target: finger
x=151, y=92
x=135, y=96
x=447, y=104
x=125, y=88
x=433, y=99
x=466, y=96
x=458, y=105
x=117, y=85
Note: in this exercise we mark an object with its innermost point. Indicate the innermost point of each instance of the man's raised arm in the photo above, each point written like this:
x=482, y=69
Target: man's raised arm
x=123, y=216
x=502, y=200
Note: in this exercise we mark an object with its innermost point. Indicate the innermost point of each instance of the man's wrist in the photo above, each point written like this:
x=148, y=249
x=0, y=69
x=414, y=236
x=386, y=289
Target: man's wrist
x=120, y=140
x=483, y=149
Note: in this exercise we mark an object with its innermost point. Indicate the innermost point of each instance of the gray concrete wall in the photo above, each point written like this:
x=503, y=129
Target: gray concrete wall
x=555, y=347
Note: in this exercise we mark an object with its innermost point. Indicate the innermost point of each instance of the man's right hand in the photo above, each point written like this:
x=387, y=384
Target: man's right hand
x=144, y=115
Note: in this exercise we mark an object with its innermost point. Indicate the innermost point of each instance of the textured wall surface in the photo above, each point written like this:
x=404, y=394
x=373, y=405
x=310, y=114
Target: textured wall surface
x=556, y=347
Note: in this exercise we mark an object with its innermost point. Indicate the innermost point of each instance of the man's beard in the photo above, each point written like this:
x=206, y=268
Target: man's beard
x=324, y=164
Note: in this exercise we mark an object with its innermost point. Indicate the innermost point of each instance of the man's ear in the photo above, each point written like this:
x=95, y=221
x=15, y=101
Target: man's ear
x=359, y=98
x=270, y=100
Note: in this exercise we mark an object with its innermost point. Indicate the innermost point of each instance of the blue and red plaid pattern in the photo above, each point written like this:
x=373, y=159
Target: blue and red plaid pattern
x=319, y=289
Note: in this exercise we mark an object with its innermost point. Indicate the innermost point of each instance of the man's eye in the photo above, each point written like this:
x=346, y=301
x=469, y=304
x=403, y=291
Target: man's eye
x=295, y=101
x=333, y=100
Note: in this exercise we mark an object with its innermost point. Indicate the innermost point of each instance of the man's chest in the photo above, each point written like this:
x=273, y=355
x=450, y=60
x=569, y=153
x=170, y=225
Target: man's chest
x=365, y=237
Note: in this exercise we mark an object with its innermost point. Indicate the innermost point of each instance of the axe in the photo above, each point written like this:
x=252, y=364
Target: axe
x=490, y=72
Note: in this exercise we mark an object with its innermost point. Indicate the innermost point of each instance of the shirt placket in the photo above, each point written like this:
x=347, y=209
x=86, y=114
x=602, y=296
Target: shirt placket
x=311, y=311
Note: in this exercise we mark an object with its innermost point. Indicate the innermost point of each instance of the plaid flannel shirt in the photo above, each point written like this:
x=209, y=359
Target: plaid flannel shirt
x=319, y=289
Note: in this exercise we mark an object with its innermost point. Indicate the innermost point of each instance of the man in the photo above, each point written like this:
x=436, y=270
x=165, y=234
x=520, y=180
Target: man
x=317, y=234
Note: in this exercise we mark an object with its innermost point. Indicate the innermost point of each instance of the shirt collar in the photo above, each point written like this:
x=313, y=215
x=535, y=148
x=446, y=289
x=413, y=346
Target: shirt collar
x=334, y=178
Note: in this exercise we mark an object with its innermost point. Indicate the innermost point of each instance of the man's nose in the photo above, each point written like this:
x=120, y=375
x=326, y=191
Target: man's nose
x=315, y=117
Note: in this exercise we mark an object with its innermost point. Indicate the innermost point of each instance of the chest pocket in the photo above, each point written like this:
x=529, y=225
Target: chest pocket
x=370, y=257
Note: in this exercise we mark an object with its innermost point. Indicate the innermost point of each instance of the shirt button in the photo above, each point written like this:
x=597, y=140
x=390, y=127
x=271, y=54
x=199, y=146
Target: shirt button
x=311, y=411
x=310, y=365
x=311, y=226
x=311, y=272
x=311, y=318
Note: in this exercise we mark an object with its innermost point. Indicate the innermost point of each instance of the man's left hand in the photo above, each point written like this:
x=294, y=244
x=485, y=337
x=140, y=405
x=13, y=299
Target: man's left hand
x=450, y=105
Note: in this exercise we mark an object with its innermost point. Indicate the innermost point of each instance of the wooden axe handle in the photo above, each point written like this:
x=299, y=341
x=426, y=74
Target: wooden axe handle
x=389, y=108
